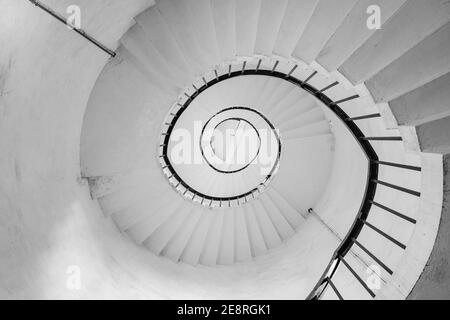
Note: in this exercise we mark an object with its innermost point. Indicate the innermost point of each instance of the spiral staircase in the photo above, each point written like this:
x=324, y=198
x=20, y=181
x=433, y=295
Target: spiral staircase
x=343, y=199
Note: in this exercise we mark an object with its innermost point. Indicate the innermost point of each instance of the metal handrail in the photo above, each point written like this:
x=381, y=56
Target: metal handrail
x=81, y=32
x=373, y=164
x=364, y=142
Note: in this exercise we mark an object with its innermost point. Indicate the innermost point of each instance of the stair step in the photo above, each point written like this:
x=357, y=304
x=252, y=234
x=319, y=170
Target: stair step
x=224, y=13
x=426, y=62
x=130, y=216
x=303, y=105
x=313, y=116
x=136, y=41
x=268, y=230
x=247, y=14
x=340, y=47
x=160, y=35
x=210, y=252
x=256, y=238
x=202, y=22
x=194, y=248
x=394, y=40
x=242, y=248
x=148, y=74
x=285, y=230
x=312, y=130
x=121, y=200
x=141, y=230
x=294, y=95
x=323, y=23
x=178, y=243
x=271, y=15
x=162, y=235
x=176, y=15
x=281, y=90
x=298, y=13
x=408, y=109
x=226, y=251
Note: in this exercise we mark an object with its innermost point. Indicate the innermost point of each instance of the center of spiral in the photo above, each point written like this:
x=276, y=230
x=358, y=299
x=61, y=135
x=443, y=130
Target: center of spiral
x=236, y=142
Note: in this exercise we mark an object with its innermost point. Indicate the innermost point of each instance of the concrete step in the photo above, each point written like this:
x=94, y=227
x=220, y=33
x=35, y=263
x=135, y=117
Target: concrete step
x=434, y=136
x=268, y=230
x=176, y=245
x=427, y=61
x=159, y=239
x=281, y=223
x=162, y=38
x=394, y=40
x=242, y=250
x=316, y=129
x=297, y=15
x=211, y=248
x=293, y=216
x=143, y=228
x=424, y=104
x=247, y=15
x=341, y=46
x=201, y=19
x=256, y=238
x=301, y=120
x=224, y=13
x=327, y=17
x=193, y=250
x=271, y=15
x=176, y=16
x=226, y=249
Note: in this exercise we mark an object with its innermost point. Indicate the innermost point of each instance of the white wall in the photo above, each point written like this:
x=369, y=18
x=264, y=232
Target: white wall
x=48, y=221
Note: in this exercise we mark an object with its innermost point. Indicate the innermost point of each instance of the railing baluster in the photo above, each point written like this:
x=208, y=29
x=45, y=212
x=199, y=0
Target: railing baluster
x=275, y=66
x=292, y=71
x=382, y=138
x=259, y=65
x=309, y=78
x=397, y=165
x=392, y=186
x=329, y=87
x=373, y=257
x=369, y=116
x=384, y=234
x=336, y=291
x=398, y=214
x=356, y=96
x=357, y=277
x=351, y=239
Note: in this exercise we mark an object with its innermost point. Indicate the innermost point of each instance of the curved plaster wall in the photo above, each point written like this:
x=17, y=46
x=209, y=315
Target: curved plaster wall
x=48, y=219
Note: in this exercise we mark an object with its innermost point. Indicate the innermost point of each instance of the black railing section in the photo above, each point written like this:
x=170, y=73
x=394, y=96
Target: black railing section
x=372, y=176
x=272, y=127
x=349, y=122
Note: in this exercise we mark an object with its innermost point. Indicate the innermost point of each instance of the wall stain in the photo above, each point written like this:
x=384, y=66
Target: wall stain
x=5, y=71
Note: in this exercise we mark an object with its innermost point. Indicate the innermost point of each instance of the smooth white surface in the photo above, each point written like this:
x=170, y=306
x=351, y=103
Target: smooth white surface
x=49, y=222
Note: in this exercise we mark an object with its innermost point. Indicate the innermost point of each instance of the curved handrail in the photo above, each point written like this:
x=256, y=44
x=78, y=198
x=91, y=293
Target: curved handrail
x=333, y=106
x=350, y=123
